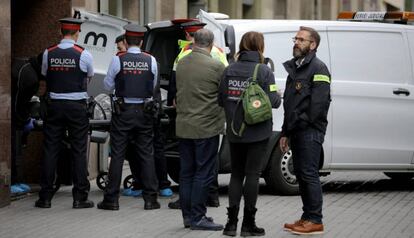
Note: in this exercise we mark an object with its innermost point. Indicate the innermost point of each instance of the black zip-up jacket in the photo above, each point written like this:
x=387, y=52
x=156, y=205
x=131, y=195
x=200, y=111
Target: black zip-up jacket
x=307, y=95
x=233, y=82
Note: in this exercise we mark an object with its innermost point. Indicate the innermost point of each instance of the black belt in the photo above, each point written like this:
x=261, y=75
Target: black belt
x=126, y=106
x=68, y=100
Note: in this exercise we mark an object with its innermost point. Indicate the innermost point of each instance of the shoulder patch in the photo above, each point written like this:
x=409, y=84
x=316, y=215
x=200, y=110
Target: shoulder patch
x=120, y=53
x=146, y=53
x=52, y=47
x=78, y=48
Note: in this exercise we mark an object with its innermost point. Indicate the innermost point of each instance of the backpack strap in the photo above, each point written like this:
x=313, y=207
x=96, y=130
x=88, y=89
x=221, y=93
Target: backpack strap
x=256, y=68
x=243, y=125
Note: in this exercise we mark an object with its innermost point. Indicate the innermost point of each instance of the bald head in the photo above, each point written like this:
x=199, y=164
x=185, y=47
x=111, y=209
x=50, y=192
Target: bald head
x=204, y=38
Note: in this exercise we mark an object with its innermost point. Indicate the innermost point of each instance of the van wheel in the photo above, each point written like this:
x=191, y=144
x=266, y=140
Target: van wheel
x=102, y=180
x=279, y=175
x=400, y=176
x=129, y=181
x=173, y=169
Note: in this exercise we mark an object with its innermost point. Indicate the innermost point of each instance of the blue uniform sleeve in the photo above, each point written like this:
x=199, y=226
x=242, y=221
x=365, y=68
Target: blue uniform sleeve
x=44, y=63
x=86, y=63
x=113, y=70
x=154, y=70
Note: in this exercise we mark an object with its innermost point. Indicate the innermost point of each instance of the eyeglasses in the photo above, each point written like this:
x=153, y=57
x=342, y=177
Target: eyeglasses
x=300, y=39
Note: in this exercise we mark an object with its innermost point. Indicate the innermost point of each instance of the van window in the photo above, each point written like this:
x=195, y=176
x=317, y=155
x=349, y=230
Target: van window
x=279, y=47
x=368, y=56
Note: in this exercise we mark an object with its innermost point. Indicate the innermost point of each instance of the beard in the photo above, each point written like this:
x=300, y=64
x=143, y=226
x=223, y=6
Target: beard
x=300, y=53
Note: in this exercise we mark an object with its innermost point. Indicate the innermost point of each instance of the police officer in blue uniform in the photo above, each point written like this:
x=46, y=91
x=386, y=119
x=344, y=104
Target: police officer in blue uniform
x=133, y=75
x=67, y=68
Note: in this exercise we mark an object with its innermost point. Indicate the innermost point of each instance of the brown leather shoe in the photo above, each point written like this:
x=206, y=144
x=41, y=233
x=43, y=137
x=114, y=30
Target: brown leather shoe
x=308, y=228
x=289, y=226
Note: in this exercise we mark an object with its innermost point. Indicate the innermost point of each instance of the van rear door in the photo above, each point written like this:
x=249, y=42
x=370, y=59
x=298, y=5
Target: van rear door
x=161, y=41
x=214, y=26
x=372, y=111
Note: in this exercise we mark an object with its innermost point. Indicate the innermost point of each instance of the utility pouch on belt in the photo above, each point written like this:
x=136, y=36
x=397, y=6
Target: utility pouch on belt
x=116, y=104
x=91, y=103
x=151, y=107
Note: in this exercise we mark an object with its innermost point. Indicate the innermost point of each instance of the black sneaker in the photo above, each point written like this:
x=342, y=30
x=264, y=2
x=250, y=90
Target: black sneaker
x=43, y=203
x=174, y=205
x=82, y=204
x=206, y=224
x=151, y=205
x=105, y=205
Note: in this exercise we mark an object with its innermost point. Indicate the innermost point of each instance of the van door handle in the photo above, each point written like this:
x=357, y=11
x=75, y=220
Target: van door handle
x=398, y=91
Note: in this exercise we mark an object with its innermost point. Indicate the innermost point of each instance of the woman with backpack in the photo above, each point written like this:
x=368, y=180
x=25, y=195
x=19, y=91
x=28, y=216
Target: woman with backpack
x=247, y=92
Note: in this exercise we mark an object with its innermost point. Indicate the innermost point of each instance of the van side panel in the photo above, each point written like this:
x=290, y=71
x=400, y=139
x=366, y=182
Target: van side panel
x=410, y=37
x=368, y=66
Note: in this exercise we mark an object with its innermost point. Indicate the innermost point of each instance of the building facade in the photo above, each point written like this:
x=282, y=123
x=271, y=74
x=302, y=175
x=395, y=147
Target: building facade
x=144, y=11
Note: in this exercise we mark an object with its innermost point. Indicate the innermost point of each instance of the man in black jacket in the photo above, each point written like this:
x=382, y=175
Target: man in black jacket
x=306, y=103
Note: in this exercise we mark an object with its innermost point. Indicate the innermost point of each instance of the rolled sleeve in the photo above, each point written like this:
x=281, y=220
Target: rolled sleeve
x=86, y=63
x=44, y=63
x=113, y=70
x=154, y=70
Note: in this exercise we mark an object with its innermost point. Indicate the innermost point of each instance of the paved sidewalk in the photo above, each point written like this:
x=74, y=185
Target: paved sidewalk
x=355, y=205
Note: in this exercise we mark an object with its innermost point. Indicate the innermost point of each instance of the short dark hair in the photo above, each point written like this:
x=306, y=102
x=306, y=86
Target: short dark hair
x=133, y=40
x=120, y=38
x=66, y=32
x=314, y=35
x=203, y=38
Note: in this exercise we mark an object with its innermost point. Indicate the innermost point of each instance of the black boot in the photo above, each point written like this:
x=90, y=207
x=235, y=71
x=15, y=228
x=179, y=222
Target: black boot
x=231, y=226
x=249, y=227
x=151, y=202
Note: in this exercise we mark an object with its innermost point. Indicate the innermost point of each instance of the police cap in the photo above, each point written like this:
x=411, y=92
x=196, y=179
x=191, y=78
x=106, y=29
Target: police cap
x=192, y=26
x=134, y=30
x=70, y=24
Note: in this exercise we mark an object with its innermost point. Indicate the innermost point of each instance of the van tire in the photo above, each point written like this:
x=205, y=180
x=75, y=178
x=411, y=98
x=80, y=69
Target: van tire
x=399, y=176
x=279, y=175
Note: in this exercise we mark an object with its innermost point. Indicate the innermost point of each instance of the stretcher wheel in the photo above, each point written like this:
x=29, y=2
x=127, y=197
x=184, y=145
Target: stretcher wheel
x=128, y=181
x=102, y=180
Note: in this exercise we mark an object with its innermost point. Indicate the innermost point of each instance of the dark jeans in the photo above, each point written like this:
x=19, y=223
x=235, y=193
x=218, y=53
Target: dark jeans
x=246, y=165
x=306, y=147
x=198, y=158
x=71, y=116
x=133, y=123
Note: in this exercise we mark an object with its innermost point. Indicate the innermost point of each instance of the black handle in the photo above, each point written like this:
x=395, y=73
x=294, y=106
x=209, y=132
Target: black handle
x=398, y=91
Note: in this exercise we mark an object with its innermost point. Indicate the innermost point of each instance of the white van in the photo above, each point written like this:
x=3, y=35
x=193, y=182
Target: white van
x=371, y=118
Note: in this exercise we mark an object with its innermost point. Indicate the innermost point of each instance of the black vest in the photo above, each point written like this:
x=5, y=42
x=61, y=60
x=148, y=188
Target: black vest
x=135, y=79
x=63, y=71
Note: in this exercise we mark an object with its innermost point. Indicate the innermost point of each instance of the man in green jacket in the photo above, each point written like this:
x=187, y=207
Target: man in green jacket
x=198, y=125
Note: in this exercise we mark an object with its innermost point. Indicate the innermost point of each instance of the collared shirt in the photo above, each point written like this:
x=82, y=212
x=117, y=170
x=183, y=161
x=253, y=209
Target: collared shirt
x=299, y=62
x=85, y=64
x=115, y=67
